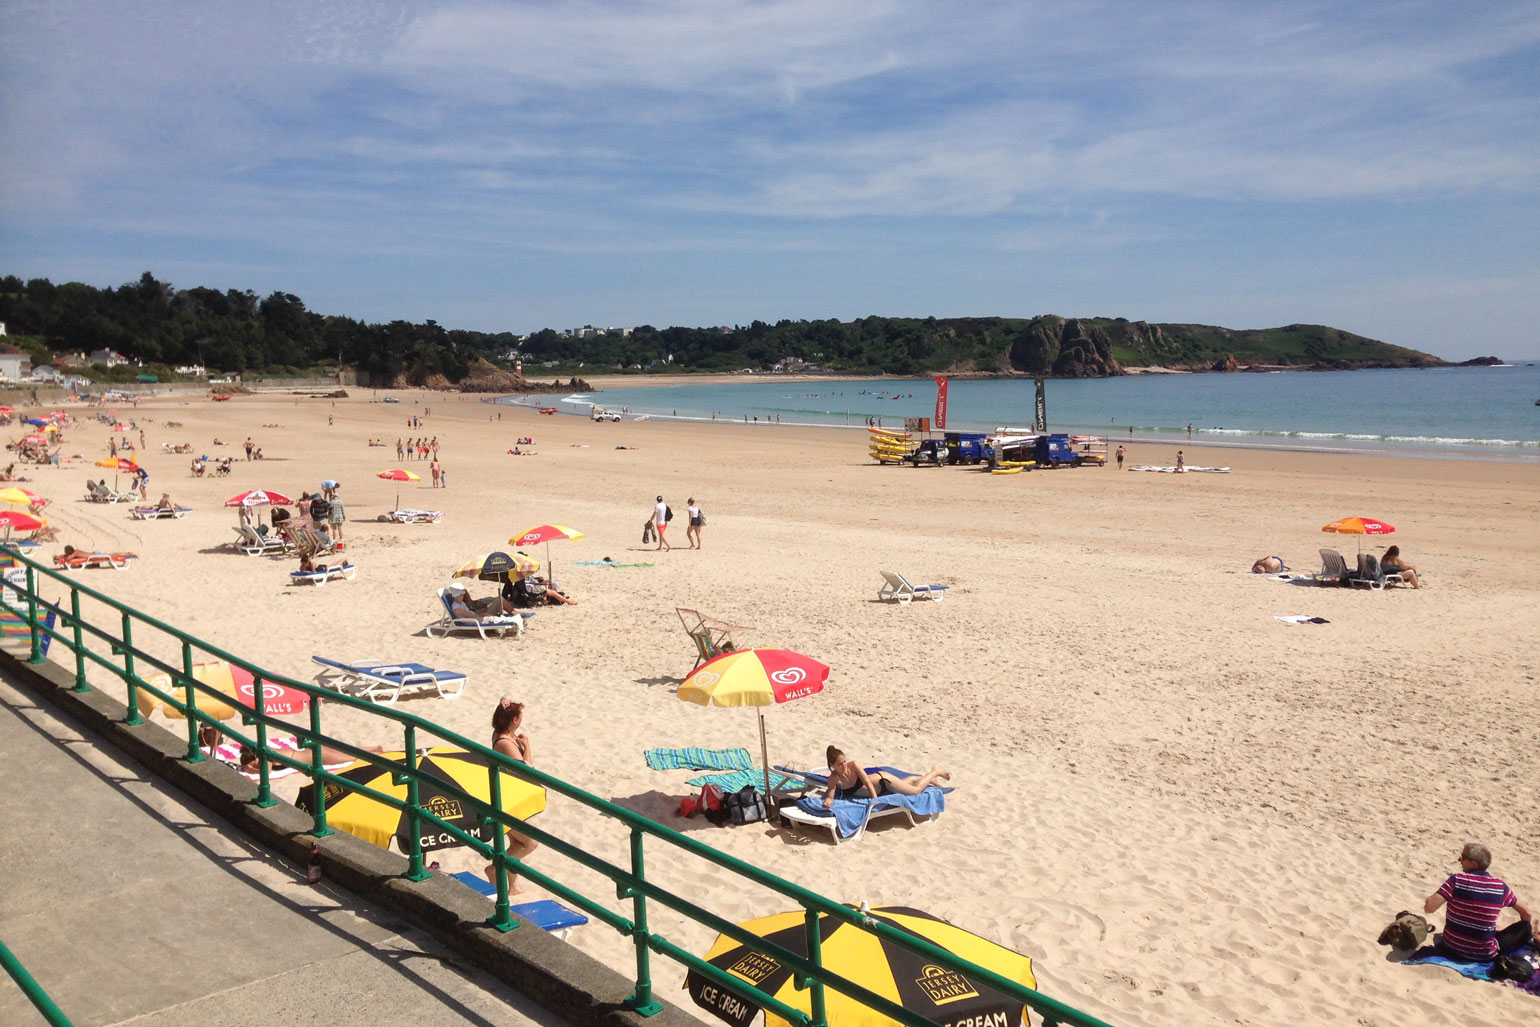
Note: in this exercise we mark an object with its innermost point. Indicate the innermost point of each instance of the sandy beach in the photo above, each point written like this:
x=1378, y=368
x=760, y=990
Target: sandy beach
x=1185, y=810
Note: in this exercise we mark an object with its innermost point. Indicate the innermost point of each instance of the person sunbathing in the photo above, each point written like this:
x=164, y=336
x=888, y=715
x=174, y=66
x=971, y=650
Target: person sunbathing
x=165, y=502
x=1269, y=565
x=1391, y=563
x=533, y=591
x=463, y=606
x=848, y=781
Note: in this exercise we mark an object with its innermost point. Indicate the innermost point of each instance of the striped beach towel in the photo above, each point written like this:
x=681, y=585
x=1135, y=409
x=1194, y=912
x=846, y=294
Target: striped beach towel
x=735, y=780
x=696, y=758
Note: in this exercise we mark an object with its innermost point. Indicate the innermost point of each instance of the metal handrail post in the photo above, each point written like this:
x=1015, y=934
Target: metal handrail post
x=79, y=646
x=36, y=632
x=264, y=755
x=129, y=678
x=502, y=917
x=34, y=991
x=319, y=828
x=820, y=1016
x=641, y=1001
x=415, y=871
x=194, y=721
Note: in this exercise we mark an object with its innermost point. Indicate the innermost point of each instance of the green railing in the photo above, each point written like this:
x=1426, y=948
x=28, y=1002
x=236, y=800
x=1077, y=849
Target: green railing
x=32, y=989
x=128, y=658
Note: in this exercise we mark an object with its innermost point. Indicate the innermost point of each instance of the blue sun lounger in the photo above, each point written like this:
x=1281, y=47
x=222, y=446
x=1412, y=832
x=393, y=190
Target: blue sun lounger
x=547, y=914
x=384, y=683
x=848, y=818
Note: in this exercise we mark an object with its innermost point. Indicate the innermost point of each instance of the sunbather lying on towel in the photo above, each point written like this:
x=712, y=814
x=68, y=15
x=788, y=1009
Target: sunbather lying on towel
x=1268, y=565
x=848, y=781
x=309, y=566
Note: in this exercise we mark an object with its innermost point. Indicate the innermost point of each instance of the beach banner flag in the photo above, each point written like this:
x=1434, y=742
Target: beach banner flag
x=940, y=418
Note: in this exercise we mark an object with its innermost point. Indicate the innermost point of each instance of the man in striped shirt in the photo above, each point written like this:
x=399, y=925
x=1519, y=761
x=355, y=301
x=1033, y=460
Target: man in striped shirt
x=1476, y=898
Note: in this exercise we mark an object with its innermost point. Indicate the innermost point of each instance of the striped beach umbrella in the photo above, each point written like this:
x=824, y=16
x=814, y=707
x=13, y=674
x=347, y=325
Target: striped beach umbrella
x=497, y=566
x=398, y=474
x=235, y=682
x=546, y=533
x=375, y=822
x=894, y=973
x=755, y=677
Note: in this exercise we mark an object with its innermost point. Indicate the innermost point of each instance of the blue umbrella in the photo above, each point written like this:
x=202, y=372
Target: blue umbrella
x=34, y=420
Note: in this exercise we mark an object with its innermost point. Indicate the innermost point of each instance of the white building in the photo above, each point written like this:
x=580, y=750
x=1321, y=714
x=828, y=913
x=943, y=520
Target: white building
x=14, y=363
x=109, y=357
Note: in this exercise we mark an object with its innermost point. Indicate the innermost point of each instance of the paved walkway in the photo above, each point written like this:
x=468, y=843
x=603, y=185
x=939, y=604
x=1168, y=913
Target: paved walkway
x=132, y=905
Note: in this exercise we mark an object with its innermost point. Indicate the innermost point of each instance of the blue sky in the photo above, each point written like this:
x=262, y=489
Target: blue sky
x=520, y=165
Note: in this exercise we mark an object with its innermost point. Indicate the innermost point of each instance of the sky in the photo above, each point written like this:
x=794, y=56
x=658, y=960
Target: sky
x=512, y=166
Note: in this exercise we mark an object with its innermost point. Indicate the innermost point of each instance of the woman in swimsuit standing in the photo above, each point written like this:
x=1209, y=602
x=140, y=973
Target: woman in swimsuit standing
x=511, y=742
x=848, y=781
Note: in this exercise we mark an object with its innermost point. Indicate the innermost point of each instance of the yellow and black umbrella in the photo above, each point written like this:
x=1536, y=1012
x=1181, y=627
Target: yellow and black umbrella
x=912, y=981
x=375, y=822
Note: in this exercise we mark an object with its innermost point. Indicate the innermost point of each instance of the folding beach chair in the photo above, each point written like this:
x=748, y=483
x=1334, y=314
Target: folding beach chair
x=712, y=637
x=898, y=588
x=384, y=683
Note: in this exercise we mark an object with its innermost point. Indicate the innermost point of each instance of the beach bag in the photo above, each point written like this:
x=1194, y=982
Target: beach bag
x=703, y=518
x=668, y=514
x=1407, y=931
x=746, y=806
x=1519, y=967
x=713, y=804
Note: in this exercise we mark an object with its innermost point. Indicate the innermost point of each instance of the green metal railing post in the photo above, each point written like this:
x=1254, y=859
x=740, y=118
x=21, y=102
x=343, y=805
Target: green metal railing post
x=129, y=677
x=319, y=827
x=36, y=632
x=264, y=755
x=30, y=988
x=641, y=1001
x=80, y=646
x=415, y=871
x=820, y=1016
x=502, y=917
x=194, y=725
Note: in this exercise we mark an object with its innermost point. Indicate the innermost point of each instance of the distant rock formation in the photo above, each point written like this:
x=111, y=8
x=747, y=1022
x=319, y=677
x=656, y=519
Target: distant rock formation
x=1482, y=362
x=1228, y=365
x=484, y=377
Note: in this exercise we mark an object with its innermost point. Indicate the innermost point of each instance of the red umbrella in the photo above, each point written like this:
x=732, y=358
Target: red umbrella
x=34, y=440
x=118, y=463
x=544, y=533
x=15, y=520
x=259, y=497
x=1359, y=526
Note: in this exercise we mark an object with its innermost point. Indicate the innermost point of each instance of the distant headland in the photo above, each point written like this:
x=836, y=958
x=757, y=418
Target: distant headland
x=148, y=328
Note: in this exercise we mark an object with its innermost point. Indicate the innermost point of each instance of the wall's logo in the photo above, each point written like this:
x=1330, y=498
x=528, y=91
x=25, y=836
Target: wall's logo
x=705, y=679
x=942, y=985
x=789, y=676
x=754, y=967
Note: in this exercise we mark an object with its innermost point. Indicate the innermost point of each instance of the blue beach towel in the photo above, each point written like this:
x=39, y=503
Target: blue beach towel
x=1476, y=971
x=823, y=779
x=696, y=758
x=850, y=814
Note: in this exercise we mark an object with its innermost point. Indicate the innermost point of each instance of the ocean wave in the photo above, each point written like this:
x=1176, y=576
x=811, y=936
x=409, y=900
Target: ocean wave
x=1420, y=440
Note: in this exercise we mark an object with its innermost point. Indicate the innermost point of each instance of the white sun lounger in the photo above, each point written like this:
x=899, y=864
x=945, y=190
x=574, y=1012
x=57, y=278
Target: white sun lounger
x=156, y=513
x=413, y=516
x=342, y=572
x=253, y=544
x=384, y=683
x=796, y=815
x=486, y=627
x=898, y=587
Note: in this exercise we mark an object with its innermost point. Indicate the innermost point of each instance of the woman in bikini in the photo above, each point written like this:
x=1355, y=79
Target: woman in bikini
x=1391, y=563
x=848, y=781
x=511, y=742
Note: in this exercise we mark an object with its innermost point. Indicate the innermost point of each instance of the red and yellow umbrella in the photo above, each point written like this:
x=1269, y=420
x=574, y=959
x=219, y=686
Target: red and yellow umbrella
x=755, y=677
x=1359, y=526
x=118, y=463
x=546, y=533
x=21, y=497
x=228, y=680
x=397, y=474
x=15, y=520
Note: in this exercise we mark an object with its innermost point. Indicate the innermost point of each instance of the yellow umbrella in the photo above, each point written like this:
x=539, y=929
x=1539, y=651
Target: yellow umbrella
x=375, y=822
x=881, y=967
x=497, y=566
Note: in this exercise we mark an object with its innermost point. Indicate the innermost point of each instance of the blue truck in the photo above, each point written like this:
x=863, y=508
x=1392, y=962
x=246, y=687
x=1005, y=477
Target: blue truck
x=1056, y=451
x=965, y=447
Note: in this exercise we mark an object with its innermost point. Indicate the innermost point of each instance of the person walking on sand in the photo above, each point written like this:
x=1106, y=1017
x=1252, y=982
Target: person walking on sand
x=1181, y=465
x=433, y=471
x=508, y=740
x=696, y=520
x=660, y=515
x=1120, y=458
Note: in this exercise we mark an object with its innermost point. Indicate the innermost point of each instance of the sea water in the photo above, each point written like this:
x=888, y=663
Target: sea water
x=1460, y=412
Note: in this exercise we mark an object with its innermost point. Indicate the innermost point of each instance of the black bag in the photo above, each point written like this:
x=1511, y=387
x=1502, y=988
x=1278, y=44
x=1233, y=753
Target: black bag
x=668, y=514
x=746, y=806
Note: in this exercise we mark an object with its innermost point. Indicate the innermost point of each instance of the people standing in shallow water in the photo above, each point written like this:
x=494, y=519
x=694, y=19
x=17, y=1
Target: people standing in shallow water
x=848, y=781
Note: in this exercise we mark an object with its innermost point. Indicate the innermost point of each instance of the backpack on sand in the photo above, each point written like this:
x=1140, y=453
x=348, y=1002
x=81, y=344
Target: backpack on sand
x=1406, y=932
x=746, y=806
